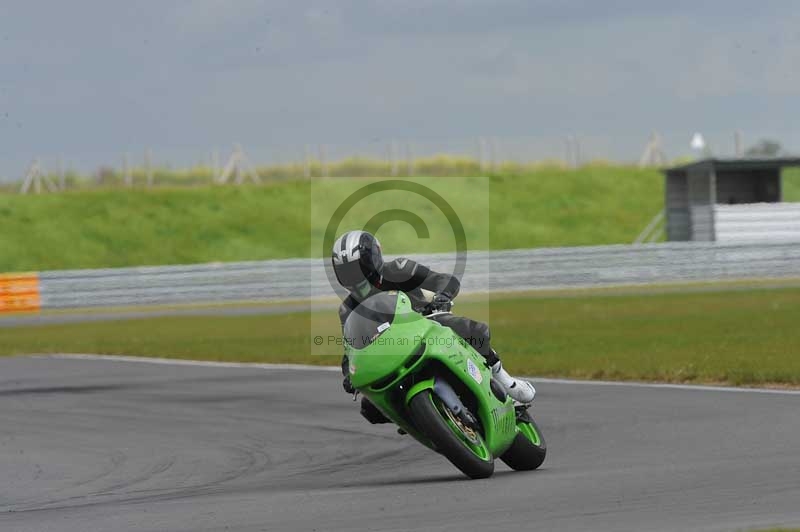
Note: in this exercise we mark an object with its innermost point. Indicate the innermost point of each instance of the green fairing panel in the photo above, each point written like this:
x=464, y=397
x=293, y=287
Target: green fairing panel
x=498, y=419
x=388, y=340
x=384, y=353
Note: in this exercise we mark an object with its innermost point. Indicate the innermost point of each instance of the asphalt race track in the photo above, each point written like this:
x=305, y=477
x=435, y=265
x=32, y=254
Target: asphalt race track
x=95, y=445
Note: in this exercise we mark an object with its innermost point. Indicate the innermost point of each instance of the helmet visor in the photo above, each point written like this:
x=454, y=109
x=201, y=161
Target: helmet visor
x=349, y=274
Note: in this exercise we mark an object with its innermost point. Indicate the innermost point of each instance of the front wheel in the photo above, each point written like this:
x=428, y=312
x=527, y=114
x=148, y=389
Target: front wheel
x=460, y=444
x=529, y=448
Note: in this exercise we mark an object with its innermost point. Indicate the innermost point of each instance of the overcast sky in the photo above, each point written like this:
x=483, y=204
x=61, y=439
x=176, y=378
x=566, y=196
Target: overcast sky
x=88, y=80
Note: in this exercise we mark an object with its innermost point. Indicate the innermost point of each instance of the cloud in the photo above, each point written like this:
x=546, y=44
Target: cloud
x=96, y=77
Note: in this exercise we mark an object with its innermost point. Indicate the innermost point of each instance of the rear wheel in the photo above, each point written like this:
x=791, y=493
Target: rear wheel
x=462, y=445
x=529, y=448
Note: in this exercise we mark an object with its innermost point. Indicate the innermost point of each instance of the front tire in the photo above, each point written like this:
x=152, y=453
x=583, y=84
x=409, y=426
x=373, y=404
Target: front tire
x=465, y=449
x=529, y=448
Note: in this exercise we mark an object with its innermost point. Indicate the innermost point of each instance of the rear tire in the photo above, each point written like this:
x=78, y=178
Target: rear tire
x=529, y=448
x=431, y=421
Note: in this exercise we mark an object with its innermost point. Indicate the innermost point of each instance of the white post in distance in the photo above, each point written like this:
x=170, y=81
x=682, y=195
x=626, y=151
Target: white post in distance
x=410, y=159
x=34, y=178
x=127, y=173
x=148, y=166
x=322, y=162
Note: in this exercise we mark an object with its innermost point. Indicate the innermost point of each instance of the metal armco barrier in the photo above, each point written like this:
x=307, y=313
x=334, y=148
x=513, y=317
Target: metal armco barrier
x=509, y=270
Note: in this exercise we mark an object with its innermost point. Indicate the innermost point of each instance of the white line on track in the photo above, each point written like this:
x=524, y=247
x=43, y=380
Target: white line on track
x=307, y=367
x=181, y=362
x=692, y=387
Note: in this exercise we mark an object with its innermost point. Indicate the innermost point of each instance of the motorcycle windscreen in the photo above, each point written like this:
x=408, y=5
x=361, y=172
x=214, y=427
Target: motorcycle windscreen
x=370, y=319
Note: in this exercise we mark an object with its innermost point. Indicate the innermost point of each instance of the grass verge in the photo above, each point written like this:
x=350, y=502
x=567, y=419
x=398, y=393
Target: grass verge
x=734, y=337
x=550, y=206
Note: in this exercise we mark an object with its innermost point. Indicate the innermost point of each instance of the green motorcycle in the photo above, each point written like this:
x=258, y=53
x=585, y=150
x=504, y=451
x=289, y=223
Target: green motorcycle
x=437, y=388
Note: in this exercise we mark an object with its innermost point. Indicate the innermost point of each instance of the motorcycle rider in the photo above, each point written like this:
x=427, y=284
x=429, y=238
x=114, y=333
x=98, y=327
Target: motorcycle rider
x=360, y=268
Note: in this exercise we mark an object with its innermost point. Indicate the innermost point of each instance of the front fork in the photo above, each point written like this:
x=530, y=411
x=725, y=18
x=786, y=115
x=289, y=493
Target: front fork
x=442, y=389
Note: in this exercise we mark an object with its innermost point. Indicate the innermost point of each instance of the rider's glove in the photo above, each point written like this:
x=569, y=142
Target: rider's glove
x=441, y=303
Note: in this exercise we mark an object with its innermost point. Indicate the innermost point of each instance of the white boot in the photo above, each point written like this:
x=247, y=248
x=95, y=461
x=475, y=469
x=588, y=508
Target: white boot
x=519, y=390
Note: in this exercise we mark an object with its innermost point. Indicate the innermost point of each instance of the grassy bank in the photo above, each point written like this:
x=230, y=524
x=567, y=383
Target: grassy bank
x=109, y=227
x=735, y=337
x=118, y=227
